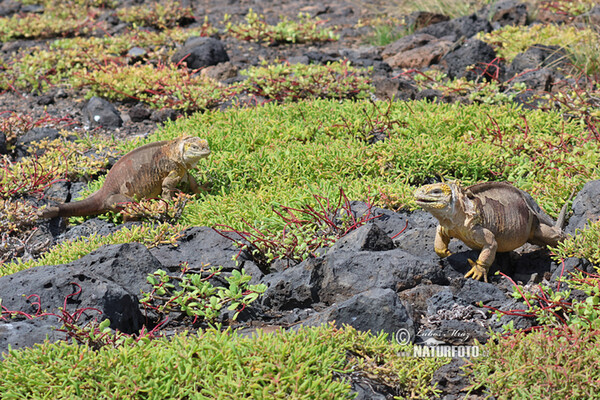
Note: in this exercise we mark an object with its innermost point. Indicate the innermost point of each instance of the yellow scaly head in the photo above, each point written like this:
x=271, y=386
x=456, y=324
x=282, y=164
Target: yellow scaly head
x=193, y=149
x=435, y=196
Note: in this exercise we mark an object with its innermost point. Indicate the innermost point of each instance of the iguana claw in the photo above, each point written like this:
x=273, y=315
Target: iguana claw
x=477, y=271
x=443, y=252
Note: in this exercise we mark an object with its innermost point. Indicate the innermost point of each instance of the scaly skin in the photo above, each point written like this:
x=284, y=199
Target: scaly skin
x=491, y=217
x=146, y=172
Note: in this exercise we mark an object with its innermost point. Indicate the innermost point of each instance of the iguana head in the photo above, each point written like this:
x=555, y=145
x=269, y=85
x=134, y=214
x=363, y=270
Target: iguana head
x=192, y=149
x=437, y=196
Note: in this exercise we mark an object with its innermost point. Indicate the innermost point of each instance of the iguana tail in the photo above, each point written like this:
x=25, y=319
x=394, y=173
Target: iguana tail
x=562, y=216
x=90, y=206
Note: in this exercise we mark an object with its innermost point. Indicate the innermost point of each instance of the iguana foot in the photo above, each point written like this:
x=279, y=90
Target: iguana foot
x=443, y=252
x=477, y=271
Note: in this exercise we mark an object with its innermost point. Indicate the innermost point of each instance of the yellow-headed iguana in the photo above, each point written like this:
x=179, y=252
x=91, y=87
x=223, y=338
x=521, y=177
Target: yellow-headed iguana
x=146, y=172
x=491, y=217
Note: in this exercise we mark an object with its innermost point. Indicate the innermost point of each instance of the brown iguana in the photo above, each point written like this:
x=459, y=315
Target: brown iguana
x=491, y=217
x=146, y=172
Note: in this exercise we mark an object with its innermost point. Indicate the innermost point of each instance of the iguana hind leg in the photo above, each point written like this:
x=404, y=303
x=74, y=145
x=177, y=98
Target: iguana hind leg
x=112, y=202
x=544, y=235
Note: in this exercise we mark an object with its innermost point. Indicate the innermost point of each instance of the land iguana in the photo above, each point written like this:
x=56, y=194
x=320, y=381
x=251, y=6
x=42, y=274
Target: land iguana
x=146, y=172
x=491, y=217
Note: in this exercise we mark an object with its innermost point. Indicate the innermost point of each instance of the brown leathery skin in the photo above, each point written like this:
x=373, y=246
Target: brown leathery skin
x=491, y=217
x=148, y=171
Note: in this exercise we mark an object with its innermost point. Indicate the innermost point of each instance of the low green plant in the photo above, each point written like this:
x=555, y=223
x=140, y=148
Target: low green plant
x=160, y=86
x=60, y=18
x=162, y=14
x=584, y=243
x=451, y=8
x=275, y=156
x=307, y=230
x=549, y=363
x=17, y=225
x=57, y=160
x=385, y=30
x=305, y=30
x=193, y=294
x=567, y=7
x=292, y=82
x=154, y=210
x=305, y=364
x=62, y=60
x=581, y=44
x=489, y=91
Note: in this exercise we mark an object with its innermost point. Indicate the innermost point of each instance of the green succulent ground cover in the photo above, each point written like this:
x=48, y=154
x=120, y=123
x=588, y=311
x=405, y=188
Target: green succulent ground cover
x=308, y=364
x=275, y=155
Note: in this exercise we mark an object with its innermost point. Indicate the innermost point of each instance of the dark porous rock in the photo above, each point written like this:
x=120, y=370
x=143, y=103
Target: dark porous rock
x=139, y=113
x=295, y=287
x=508, y=12
x=319, y=57
x=25, y=333
x=457, y=332
x=420, y=298
x=361, y=53
x=367, y=237
x=431, y=95
x=406, y=43
x=473, y=60
x=475, y=292
x=586, y=207
x=59, y=192
x=444, y=299
x=108, y=280
x=99, y=112
x=36, y=135
x=164, y=115
x=221, y=71
x=466, y=26
x=9, y=7
x=572, y=265
x=512, y=310
x=376, y=310
x=346, y=273
x=418, y=237
x=421, y=19
x=538, y=56
x=416, y=51
x=136, y=54
x=200, y=246
x=541, y=79
x=199, y=52
x=390, y=222
x=90, y=227
x=451, y=379
x=3, y=148
x=45, y=100
x=369, y=389
x=531, y=100
x=394, y=88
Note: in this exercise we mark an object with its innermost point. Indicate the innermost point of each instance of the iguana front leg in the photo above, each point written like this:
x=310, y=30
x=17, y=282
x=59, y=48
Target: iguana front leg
x=192, y=183
x=169, y=184
x=440, y=244
x=480, y=268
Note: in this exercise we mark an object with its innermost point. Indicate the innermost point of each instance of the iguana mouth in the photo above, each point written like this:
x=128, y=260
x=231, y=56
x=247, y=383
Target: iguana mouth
x=426, y=201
